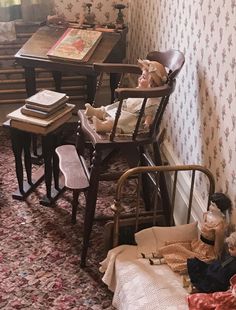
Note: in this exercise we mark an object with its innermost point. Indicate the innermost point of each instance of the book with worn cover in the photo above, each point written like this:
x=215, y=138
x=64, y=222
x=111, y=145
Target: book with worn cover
x=39, y=130
x=41, y=113
x=47, y=109
x=37, y=125
x=75, y=45
x=46, y=98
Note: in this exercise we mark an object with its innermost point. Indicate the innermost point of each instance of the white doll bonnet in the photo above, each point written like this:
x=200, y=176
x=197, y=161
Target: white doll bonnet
x=157, y=70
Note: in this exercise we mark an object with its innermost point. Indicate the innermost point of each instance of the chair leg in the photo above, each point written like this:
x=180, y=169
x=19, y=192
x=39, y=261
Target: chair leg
x=163, y=187
x=91, y=199
x=74, y=205
x=147, y=184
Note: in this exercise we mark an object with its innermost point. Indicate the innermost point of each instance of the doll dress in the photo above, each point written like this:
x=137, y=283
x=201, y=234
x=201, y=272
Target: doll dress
x=177, y=253
x=130, y=111
x=209, y=278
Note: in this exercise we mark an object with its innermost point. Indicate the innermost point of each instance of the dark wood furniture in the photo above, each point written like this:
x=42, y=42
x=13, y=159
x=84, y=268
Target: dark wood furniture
x=33, y=55
x=133, y=147
x=21, y=144
x=75, y=172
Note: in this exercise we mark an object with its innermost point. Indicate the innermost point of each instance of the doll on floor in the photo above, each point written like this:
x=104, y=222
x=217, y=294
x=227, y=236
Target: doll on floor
x=210, y=244
x=153, y=75
x=214, y=277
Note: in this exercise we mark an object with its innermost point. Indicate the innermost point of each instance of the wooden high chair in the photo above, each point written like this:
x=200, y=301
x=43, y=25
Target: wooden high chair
x=133, y=147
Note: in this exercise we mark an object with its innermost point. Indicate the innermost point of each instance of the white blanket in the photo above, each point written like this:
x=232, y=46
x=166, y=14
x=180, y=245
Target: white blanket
x=137, y=285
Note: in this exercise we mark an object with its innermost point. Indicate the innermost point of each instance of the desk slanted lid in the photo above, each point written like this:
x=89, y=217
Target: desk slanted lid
x=37, y=47
x=75, y=45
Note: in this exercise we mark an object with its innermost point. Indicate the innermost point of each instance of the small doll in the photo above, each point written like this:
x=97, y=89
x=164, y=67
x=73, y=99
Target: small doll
x=213, y=277
x=153, y=75
x=210, y=244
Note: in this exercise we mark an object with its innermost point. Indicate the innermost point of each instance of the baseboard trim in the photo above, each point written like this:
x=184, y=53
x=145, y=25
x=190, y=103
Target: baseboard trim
x=198, y=206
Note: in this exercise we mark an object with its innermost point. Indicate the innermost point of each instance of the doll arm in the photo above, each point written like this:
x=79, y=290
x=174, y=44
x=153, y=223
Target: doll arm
x=150, y=111
x=148, y=121
x=219, y=238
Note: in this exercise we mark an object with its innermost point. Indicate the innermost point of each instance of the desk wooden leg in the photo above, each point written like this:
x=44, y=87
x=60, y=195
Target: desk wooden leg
x=114, y=81
x=30, y=86
x=56, y=171
x=30, y=81
x=91, y=88
x=57, y=80
x=91, y=199
x=49, y=143
x=21, y=141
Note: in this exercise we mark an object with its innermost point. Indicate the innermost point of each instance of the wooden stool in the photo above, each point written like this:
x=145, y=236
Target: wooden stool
x=75, y=172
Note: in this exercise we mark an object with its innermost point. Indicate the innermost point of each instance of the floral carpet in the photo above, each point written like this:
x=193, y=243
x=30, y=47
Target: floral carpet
x=40, y=248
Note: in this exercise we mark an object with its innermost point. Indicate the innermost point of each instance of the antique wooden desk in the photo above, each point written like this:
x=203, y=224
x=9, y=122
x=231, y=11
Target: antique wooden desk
x=33, y=55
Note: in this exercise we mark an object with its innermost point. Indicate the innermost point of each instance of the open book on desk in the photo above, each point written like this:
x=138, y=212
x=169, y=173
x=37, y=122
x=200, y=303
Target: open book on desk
x=75, y=45
x=37, y=125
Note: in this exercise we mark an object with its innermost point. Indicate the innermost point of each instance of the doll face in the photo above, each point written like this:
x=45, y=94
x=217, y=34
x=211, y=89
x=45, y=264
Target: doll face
x=144, y=79
x=232, y=250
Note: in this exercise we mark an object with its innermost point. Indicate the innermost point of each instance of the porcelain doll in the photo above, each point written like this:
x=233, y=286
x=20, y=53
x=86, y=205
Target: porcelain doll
x=153, y=75
x=210, y=243
x=213, y=277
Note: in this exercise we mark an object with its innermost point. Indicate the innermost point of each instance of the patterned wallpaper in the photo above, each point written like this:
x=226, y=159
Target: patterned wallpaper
x=201, y=116
x=104, y=10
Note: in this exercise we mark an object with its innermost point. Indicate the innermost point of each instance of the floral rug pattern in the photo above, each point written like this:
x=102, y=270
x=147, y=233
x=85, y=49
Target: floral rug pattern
x=40, y=248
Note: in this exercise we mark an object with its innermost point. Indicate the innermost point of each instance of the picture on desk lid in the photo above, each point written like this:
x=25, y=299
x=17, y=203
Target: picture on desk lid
x=75, y=45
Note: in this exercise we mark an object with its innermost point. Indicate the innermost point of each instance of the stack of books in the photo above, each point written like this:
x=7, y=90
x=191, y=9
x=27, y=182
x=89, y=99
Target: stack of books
x=42, y=112
x=44, y=104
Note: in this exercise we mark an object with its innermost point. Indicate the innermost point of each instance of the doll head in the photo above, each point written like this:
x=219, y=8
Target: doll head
x=221, y=201
x=157, y=72
x=231, y=243
x=144, y=79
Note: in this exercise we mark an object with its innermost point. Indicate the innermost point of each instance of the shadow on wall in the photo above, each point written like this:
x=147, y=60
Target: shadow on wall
x=211, y=142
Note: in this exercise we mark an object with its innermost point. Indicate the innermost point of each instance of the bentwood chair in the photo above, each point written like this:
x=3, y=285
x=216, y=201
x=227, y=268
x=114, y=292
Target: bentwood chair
x=132, y=147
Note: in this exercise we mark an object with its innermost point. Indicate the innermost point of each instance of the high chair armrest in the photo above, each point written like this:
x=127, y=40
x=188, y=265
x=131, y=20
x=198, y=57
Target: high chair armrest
x=116, y=68
x=155, y=92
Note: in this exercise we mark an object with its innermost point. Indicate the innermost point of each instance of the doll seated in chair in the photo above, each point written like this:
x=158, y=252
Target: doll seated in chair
x=153, y=75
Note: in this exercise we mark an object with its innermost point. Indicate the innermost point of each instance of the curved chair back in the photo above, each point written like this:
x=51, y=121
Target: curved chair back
x=171, y=59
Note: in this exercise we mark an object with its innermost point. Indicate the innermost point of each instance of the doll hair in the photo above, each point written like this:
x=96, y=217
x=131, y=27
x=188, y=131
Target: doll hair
x=231, y=240
x=222, y=202
x=156, y=70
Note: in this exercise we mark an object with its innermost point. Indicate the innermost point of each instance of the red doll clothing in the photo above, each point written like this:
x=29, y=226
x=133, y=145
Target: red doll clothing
x=215, y=301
